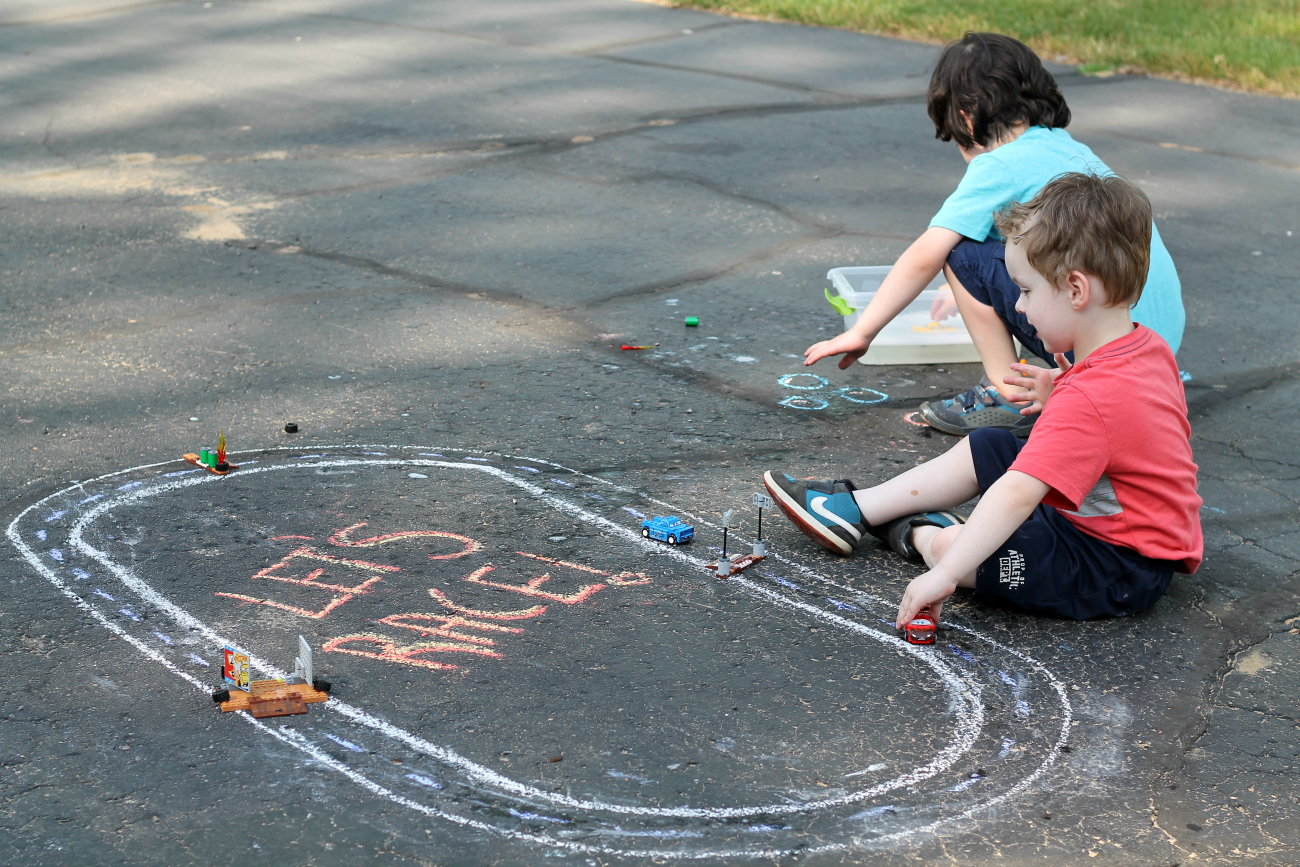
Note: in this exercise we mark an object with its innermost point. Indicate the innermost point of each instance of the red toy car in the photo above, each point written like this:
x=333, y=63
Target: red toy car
x=921, y=629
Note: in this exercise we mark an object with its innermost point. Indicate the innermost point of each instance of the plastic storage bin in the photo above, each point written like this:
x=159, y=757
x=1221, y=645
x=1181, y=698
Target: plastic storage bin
x=913, y=337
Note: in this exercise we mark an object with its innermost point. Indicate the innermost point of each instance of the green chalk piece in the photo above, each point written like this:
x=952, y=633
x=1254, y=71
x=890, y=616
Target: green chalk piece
x=692, y=321
x=204, y=457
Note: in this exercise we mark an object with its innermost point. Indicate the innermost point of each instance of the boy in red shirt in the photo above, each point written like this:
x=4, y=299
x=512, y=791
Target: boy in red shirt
x=1093, y=514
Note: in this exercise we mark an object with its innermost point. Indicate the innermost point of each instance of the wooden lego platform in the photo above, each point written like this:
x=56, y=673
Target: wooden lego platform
x=738, y=564
x=194, y=459
x=267, y=698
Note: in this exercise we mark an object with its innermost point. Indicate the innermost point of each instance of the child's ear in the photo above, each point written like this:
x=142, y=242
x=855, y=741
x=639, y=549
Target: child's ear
x=1081, y=289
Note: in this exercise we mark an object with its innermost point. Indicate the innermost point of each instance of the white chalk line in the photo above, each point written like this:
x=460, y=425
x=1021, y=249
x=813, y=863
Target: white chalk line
x=1025, y=783
x=966, y=733
x=286, y=734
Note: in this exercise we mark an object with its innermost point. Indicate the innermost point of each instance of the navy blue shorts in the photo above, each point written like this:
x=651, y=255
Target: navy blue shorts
x=980, y=266
x=1049, y=566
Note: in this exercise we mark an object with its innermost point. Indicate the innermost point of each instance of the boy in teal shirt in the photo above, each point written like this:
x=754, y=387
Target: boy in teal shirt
x=991, y=95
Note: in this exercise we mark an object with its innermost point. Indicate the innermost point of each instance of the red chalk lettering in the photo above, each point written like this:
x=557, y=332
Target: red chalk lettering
x=340, y=592
x=530, y=589
x=292, y=609
x=378, y=647
x=519, y=614
x=445, y=627
x=343, y=538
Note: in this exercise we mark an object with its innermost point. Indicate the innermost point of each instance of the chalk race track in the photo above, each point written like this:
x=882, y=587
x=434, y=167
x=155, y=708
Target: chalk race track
x=510, y=656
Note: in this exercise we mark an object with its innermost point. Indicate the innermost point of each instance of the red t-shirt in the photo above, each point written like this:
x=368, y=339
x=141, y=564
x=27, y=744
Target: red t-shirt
x=1113, y=444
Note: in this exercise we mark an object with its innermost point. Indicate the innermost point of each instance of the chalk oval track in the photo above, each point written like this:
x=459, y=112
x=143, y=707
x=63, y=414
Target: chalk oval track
x=857, y=811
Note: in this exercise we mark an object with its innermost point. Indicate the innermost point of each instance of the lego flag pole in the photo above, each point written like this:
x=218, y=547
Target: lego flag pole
x=724, y=562
x=763, y=502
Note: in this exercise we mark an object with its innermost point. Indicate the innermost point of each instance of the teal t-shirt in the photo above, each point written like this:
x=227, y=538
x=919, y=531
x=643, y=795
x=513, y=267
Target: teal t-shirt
x=1015, y=172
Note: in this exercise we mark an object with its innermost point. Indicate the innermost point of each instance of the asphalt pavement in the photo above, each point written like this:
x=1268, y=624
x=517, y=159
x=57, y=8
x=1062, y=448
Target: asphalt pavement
x=422, y=232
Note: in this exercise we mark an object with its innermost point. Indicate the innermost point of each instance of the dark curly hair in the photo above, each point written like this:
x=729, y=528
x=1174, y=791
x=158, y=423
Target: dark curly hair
x=999, y=83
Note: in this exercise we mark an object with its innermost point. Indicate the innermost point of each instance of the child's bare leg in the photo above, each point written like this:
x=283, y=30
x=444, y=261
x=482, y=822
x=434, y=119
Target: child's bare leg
x=934, y=542
x=989, y=334
x=942, y=483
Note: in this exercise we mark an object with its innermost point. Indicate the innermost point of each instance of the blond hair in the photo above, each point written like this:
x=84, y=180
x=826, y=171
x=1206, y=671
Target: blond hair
x=1085, y=222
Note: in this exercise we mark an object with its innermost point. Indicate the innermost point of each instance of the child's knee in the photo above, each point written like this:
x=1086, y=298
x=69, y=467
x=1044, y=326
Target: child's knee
x=943, y=541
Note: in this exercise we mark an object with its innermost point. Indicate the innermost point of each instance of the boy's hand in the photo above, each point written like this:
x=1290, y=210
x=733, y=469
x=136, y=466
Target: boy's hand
x=930, y=589
x=944, y=305
x=1037, y=383
x=848, y=344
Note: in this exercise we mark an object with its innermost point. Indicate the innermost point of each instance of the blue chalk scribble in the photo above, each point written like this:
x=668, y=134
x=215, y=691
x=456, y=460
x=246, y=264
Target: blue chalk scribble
x=785, y=582
x=345, y=743
x=538, y=817
x=874, y=811
x=424, y=781
x=957, y=651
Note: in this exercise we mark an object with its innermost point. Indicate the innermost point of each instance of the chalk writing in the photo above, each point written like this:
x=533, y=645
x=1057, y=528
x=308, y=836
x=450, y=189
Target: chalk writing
x=472, y=630
x=341, y=593
x=458, y=629
x=390, y=651
x=343, y=538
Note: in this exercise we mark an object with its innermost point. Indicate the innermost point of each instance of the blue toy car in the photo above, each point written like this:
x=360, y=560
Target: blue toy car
x=668, y=529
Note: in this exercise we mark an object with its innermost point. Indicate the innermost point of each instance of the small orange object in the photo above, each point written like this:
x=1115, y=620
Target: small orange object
x=221, y=446
x=266, y=698
x=194, y=459
x=285, y=705
x=649, y=346
x=738, y=565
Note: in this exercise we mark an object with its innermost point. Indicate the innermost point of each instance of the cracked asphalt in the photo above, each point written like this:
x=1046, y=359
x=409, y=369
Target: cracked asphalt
x=430, y=226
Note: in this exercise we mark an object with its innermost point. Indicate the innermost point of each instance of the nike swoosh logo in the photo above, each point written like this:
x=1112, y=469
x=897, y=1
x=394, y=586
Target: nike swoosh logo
x=834, y=518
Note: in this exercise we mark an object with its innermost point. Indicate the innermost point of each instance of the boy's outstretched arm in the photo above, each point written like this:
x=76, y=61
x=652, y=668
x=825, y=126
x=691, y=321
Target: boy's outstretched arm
x=910, y=274
x=1004, y=507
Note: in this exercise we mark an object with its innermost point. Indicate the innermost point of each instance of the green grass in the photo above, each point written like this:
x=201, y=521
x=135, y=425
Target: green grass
x=1250, y=44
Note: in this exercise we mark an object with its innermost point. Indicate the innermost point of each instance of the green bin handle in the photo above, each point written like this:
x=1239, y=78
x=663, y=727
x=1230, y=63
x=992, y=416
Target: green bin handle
x=840, y=305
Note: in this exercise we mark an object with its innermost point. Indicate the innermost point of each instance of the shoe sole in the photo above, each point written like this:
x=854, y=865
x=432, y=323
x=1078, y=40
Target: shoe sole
x=943, y=427
x=811, y=527
x=940, y=425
